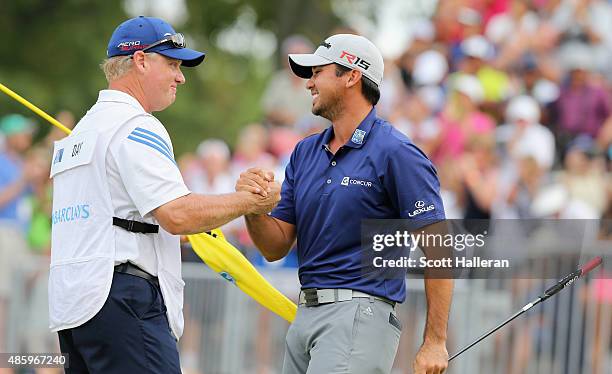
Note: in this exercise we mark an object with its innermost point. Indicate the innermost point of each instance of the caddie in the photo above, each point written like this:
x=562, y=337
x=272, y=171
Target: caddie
x=119, y=204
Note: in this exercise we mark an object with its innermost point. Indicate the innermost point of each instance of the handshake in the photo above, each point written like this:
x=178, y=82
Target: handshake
x=260, y=189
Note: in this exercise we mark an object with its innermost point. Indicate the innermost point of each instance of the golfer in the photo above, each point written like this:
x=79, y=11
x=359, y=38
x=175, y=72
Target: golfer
x=359, y=168
x=119, y=204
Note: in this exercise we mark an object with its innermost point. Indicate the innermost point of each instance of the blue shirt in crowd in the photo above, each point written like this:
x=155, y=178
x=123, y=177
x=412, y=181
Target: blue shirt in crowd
x=12, y=213
x=378, y=174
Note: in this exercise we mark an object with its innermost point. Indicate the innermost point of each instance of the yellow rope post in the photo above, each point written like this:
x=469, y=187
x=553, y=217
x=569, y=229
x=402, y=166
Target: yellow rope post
x=34, y=108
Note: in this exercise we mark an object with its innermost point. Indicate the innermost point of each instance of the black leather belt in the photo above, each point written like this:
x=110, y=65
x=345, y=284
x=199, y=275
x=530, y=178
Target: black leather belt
x=131, y=269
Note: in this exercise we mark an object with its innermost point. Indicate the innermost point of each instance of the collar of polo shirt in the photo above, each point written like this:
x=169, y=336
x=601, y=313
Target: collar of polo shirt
x=360, y=135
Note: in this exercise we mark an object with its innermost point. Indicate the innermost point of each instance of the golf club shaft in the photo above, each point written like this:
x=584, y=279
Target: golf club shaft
x=567, y=280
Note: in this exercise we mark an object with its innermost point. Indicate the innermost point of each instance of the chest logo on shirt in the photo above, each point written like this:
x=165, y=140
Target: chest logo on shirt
x=358, y=136
x=421, y=208
x=348, y=181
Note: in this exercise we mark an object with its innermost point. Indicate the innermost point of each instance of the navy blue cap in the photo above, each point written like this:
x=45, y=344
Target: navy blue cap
x=140, y=32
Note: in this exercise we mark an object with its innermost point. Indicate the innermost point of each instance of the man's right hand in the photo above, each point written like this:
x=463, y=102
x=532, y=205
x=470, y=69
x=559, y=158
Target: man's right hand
x=264, y=191
x=263, y=205
x=255, y=180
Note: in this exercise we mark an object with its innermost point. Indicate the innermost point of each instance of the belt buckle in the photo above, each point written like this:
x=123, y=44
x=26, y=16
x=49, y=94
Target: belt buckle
x=311, y=296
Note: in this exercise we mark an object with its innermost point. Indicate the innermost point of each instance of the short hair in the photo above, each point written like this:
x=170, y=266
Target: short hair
x=369, y=89
x=116, y=67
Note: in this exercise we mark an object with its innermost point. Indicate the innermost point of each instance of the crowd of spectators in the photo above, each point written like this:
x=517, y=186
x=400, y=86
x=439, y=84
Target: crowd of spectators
x=511, y=100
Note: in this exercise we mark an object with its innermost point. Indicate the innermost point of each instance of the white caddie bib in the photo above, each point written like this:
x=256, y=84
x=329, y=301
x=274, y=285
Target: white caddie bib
x=83, y=237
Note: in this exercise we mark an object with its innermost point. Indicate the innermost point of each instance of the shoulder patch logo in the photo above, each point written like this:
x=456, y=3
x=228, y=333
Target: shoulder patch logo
x=358, y=136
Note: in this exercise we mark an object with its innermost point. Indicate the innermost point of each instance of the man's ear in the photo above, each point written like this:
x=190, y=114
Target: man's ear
x=139, y=61
x=354, y=77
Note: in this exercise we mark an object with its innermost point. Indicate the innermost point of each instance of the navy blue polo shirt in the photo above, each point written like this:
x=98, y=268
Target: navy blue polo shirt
x=377, y=174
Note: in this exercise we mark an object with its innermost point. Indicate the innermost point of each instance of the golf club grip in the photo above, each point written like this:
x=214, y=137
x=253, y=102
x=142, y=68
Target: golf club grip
x=590, y=265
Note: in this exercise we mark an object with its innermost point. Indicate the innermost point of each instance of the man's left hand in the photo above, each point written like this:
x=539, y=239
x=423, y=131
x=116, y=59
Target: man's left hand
x=432, y=358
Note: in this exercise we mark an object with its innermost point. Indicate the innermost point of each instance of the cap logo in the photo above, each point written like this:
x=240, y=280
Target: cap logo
x=354, y=60
x=326, y=45
x=129, y=45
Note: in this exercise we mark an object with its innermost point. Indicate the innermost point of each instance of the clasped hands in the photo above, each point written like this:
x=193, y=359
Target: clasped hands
x=263, y=191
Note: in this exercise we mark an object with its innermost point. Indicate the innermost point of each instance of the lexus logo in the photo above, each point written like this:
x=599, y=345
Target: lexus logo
x=419, y=204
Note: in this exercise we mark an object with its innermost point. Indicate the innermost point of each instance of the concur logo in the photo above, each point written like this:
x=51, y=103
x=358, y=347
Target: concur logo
x=71, y=213
x=348, y=181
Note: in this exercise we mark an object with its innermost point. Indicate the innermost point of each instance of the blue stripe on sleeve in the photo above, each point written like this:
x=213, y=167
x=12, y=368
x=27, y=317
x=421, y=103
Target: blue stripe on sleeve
x=152, y=145
x=151, y=133
x=152, y=140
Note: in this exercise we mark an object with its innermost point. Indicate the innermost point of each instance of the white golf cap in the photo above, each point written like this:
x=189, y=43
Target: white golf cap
x=352, y=51
x=430, y=68
x=524, y=108
x=477, y=46
x=469, y=85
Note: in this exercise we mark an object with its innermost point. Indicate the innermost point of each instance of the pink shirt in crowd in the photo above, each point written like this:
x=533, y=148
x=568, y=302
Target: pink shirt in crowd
x=455, y=135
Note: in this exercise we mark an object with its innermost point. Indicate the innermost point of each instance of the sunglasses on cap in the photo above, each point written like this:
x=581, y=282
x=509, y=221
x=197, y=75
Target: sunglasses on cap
x=177, y=40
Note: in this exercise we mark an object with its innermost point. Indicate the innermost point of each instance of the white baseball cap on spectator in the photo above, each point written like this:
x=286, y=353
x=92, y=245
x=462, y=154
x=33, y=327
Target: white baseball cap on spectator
x=545, y=91
x=578, y=58
x=477, y=46
x=469, y=85
x=352, y=51
x=430, y=68
x=524, y=108
x=500, y=28
x=213, y=146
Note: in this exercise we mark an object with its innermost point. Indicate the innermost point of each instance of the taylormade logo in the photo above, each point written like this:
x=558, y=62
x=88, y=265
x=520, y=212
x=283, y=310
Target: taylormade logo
x=421, y=208
x=348, y=181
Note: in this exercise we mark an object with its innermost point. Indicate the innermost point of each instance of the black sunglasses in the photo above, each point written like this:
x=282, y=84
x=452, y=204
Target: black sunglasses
x=177, y=40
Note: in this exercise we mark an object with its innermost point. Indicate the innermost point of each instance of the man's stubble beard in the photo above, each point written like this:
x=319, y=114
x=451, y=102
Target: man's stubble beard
x=330, y=110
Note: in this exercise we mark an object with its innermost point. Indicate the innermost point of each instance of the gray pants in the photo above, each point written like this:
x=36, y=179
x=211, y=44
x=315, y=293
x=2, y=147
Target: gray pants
x=353, y=337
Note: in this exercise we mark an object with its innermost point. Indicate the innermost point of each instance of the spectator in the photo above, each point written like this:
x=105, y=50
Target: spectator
x=285, y=101
x=39, y=233
x=585, y=25
x=15, y=178
x=479, y=173
x=461, y=119
x=477, y=54
x=524, y=136
x=518, y=195
x=416, y=118
x=66, y=118
x=251, y=149
x=212, y=175
x=583, y=106
x=583, y=176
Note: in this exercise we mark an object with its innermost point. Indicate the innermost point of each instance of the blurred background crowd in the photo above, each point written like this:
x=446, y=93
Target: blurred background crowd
x=511, y=100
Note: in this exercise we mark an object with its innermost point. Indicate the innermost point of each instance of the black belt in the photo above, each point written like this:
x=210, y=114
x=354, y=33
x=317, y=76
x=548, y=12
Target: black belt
x=129, y=268
x=135, y=226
